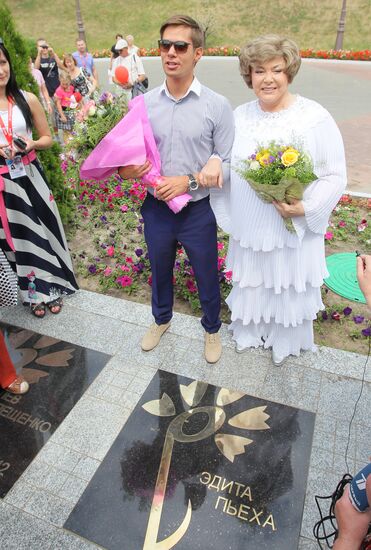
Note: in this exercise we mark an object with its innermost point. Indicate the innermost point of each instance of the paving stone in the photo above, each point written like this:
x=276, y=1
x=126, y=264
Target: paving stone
x=21, y=531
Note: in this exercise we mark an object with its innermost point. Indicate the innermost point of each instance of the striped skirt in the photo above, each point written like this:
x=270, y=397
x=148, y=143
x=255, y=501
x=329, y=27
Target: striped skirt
x=41, y=259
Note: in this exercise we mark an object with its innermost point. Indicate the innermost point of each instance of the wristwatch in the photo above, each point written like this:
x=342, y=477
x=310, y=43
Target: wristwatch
x=192, y=183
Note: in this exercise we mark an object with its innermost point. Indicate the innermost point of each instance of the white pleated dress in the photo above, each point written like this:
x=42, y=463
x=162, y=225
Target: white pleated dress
x=277, y=274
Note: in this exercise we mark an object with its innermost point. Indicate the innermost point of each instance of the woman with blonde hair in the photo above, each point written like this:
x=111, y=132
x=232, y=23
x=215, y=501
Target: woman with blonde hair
x=277, y=273
x=81, y=81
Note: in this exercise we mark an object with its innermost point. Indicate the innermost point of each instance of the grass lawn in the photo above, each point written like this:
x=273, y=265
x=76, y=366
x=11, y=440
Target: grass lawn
x=311, y=24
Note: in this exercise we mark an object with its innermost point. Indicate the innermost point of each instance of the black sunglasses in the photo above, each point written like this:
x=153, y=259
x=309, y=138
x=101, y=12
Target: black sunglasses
x=1, y=42
x=179, y=45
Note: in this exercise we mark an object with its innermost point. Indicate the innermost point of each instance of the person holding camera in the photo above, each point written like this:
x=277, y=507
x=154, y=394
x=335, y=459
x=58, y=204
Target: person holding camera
x=47, y=61
x=32, y=236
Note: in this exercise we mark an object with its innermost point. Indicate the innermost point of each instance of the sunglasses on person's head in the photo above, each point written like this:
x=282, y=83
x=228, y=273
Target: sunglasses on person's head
x=1, y=42
x=179, y=45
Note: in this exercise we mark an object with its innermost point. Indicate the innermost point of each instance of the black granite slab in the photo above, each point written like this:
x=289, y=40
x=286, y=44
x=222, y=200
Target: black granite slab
x=184, y=479
x=58, y=373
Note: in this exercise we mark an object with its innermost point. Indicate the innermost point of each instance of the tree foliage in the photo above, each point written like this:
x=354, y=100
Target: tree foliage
x=20, y=51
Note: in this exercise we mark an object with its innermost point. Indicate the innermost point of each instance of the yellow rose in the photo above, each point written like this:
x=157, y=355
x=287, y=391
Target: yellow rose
x=290, y=157
x=263, y=158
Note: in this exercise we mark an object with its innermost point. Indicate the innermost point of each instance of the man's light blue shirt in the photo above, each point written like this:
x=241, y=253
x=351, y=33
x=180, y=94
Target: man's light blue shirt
x=190, y=129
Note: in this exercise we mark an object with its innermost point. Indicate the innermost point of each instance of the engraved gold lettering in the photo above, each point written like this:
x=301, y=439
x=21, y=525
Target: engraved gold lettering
x=270, y=521
x=247, y=492
x=225, y=502
x=233, y=509
x=208, y=478
x=243, y=509
x=14, y=399
x=238, y=485
x=215, y=484
x=256, y=516
x=227, y=485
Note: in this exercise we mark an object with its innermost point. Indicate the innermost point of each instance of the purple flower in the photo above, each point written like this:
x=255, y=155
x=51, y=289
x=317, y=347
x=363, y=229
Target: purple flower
x=367, y=331
x=347, y=311
x=103, y=219
x=140, y=229
x=279, y=154
x=252, y=157
x=271, y=158
x=358, y=319
x=92, y=269
x=324, y=315
x=139, y=252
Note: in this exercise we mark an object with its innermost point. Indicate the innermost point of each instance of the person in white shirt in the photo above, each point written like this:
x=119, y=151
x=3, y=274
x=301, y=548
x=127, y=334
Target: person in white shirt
x=133, y=49
x=134, y=65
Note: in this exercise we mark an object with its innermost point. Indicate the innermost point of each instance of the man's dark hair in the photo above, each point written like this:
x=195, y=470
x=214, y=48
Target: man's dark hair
x=186, y=21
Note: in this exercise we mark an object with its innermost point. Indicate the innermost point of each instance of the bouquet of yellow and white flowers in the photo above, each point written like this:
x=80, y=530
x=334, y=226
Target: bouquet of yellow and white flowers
x=278, y=173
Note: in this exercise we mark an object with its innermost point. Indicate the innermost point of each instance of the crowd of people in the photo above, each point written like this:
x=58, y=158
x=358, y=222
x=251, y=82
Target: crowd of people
x=66, y=83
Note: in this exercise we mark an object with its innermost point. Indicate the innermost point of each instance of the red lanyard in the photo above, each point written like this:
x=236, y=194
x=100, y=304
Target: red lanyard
x=8, y=132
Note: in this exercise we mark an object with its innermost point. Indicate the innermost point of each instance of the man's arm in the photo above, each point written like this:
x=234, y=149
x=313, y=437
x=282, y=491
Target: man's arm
x=223, y=141
x=352, y=525
x=217, y=169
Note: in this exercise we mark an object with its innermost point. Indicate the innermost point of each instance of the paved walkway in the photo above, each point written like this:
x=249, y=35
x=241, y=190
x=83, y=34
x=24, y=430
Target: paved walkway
x=327, y=383
x=343, y=87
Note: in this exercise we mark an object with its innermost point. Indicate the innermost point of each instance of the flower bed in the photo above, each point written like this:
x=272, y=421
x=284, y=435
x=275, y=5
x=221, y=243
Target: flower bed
x=110, y=255
x=363, y=55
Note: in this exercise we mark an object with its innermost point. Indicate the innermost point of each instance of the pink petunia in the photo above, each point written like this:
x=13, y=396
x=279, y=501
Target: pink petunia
x=107, y=271
x=111, y=251
x=191, y=286
x=329, y=236
x=124, y=280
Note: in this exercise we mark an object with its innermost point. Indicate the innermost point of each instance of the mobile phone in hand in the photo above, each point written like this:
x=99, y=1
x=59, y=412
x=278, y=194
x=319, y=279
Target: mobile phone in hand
x=20, y=143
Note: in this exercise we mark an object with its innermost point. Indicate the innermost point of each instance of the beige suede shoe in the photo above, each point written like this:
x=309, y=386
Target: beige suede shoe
x=153, y=336
x=213, y=347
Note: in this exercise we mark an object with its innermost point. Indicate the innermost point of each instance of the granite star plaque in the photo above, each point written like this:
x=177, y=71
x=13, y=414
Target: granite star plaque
x=58, y=374
x=198, y=467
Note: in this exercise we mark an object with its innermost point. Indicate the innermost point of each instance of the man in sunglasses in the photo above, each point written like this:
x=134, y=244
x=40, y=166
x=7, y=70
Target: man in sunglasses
x=191, y=123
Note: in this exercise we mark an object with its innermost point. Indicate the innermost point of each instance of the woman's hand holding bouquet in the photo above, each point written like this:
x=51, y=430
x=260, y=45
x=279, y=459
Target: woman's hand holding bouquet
x=279, y=174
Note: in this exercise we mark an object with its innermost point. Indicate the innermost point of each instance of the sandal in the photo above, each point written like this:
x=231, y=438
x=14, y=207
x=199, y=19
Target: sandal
x=58, y=303
x=38, y=310
x=19, y=386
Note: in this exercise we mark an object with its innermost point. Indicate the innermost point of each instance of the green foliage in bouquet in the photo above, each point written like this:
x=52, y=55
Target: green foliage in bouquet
x=278, y=173
x=20, y=50
x=97, y=117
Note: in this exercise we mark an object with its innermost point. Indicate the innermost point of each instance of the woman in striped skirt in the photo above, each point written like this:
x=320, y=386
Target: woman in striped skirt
x=31, y=232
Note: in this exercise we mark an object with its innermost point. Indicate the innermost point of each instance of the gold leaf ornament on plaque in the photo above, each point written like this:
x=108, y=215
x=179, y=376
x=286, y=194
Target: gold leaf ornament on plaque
x=228, y=444
x=160, y=407
x=193, y=393
x=231, y=445
x=252, y=419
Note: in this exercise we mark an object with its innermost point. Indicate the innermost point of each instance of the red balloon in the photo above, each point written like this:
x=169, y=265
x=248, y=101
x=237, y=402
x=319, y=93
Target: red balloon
x=122, y=74
x=78, y=96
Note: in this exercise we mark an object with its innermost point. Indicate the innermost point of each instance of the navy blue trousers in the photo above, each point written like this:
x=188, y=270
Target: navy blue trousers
x=195, y=228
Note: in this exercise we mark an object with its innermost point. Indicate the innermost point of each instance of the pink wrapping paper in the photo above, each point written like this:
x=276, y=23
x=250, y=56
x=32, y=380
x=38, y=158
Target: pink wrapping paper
x=131, y=141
